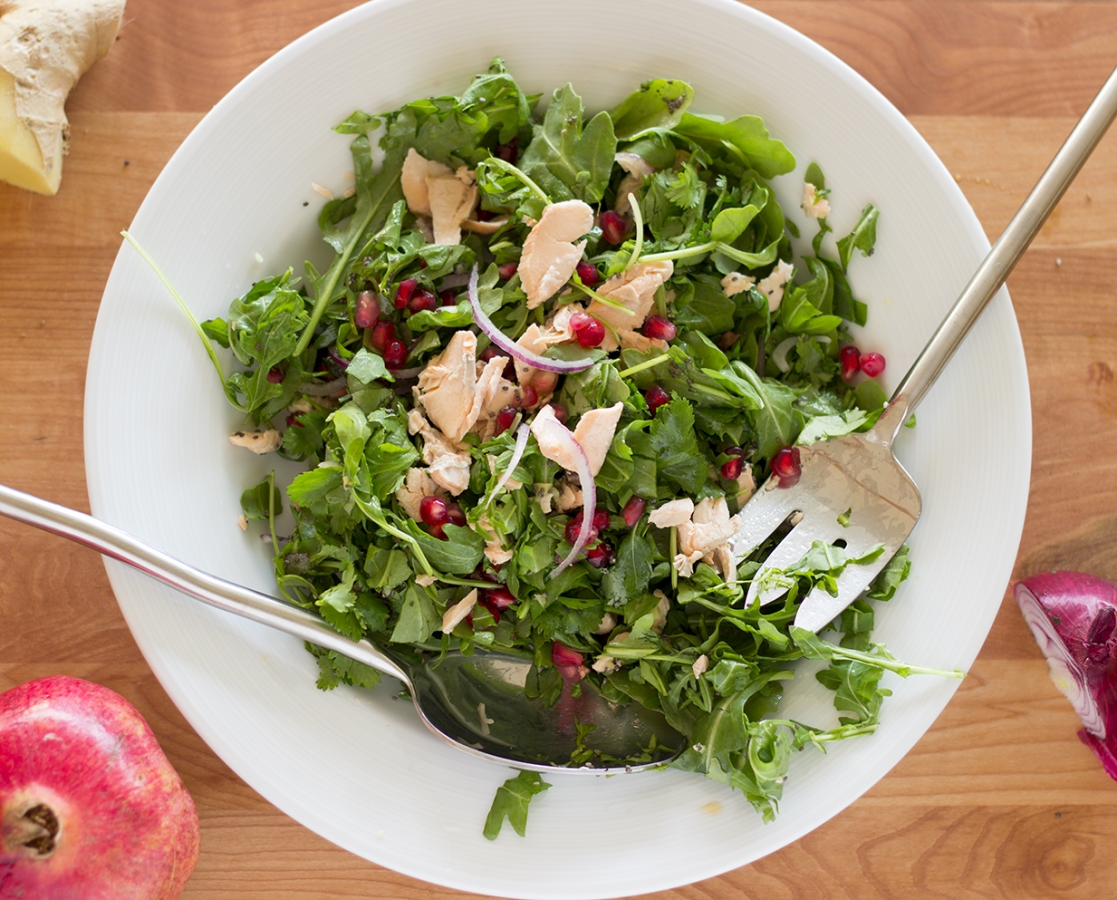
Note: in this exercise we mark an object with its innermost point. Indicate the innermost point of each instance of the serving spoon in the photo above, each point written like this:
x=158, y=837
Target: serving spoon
x=476, y=703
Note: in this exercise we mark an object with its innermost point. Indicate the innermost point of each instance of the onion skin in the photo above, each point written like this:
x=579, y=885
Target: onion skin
x=1072, y=617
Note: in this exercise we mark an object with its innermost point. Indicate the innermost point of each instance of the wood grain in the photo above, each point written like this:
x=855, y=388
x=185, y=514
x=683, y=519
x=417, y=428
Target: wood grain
x=999, y=799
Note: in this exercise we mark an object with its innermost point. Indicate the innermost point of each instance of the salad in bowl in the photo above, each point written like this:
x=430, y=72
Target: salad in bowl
x=552, y=356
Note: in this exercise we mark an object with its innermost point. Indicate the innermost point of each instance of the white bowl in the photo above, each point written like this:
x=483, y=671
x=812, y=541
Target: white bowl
x=358, y=768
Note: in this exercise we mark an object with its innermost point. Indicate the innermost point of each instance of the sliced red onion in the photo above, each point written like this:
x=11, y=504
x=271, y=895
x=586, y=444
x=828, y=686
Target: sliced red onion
x=634, y=164
x=522, y=434
x=1073, y=616
x=454, y=279
x=404, y=374
x=549, y=430
x=324, y=389
x=779, y=355
x=510, y=347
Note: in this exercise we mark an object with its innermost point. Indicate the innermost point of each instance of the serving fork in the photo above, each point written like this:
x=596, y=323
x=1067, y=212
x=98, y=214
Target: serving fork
x=852, y=488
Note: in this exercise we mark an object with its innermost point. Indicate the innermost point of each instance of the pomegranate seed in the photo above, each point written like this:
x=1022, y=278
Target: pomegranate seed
x=851, y=362
x=494, y=611
x=498, y=598
x=574, y=526
x=436, y=531
x=448, y=297
x=660, y=328
x=403, y=293
x=587, y=273
x=872, y=364
x=529, y=396
x=422, y=299
x=601, y=519
x=395, y=354
x=600, y=555
x=434, y=511
x=367, y=311
x=732, y=469
x=613, y=227
x=454, y=514
x=561, y=655
x=786, y=466
x=588, y=331
x=293, y=421
x=507, y=270
x=655, y=397
x=491, y=352
x=383, y=333
x=560, y=412
x=508, y=152
x=275, y=375
x=632, y=511
x=505, y=418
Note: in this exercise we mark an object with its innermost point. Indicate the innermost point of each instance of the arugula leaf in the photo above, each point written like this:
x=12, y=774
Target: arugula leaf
x=822, y=427
x=262, y=501
x=659, y=103
x=703, y=307
x=745, y=137
x=459, y=554
x=630, y=576
x=863, y=237
x=367, y=367
x=511, y=803
x=565, y=159
x=777, y=422
x=897, y=570
x=814, y=647
x=497, y=95
x=419, y=618
x=730, y=224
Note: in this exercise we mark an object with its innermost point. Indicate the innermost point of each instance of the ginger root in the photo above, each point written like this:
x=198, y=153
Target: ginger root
x=45, y=47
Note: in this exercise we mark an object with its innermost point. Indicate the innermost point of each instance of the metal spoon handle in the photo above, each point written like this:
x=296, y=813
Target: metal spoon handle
x=1008, y=249
x=225, y=595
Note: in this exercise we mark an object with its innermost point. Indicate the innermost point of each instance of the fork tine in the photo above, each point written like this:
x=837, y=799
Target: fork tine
x=766, y=511
x=819, y=608
x=789, y=551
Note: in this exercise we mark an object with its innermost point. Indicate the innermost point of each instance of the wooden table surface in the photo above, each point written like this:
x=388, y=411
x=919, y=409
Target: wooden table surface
x=999, y=799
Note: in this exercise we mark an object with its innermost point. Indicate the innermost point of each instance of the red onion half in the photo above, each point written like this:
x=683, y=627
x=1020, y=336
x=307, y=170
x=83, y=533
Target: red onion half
x=510, y=347
x=1073, y=618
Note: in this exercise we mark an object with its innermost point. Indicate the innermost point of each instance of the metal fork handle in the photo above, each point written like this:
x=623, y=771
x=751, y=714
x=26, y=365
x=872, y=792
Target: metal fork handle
x=242, y=601
x=1003, y=256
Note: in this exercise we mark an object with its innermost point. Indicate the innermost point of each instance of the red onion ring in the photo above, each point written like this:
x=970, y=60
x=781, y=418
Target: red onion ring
x=510, y=347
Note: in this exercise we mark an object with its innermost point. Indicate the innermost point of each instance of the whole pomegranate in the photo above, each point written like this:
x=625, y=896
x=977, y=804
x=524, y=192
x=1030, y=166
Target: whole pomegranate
x=90, y=808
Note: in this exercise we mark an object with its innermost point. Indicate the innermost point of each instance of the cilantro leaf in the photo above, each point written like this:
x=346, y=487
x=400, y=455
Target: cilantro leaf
x=678, y=458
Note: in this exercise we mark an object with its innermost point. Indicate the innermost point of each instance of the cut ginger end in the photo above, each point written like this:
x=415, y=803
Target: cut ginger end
x=21, y=160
